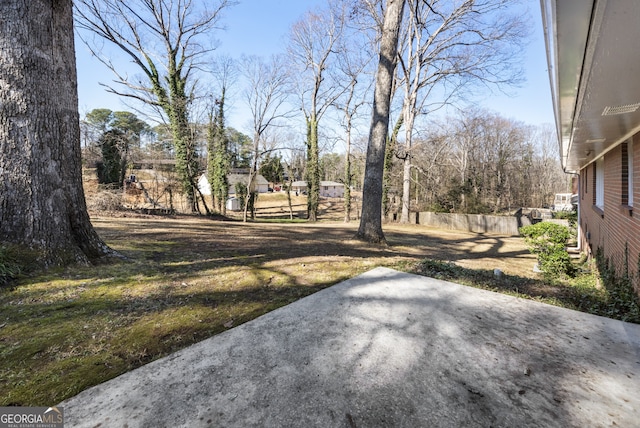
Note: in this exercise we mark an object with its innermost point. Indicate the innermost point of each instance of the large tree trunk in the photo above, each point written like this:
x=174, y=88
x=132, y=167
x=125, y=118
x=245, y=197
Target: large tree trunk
x=371, y=221
x=409, y=119
x=406, y=189
x=390, y=151
x=42, y=205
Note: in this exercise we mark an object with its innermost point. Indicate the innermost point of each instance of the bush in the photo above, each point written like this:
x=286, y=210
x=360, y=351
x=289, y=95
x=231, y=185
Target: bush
x=566, y=215
x=548, y=240
x=9, y=266
x=105, y=201
x=620, y=301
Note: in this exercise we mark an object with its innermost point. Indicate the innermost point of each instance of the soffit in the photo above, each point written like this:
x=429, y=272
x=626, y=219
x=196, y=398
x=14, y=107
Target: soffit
x=597, y=87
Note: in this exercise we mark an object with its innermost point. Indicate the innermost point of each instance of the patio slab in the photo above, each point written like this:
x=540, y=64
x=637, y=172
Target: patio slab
x=387, y=349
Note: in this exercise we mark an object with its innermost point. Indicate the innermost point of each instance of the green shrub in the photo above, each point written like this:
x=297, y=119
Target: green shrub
x=567, y=215
x=620, y=300
x=9, y=266
x=548, y=241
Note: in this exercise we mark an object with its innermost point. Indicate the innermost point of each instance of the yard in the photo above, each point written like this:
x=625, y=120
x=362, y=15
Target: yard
x=187, y=278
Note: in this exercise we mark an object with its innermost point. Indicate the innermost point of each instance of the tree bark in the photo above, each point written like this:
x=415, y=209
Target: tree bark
x=42, y=204
x=347, y=176
x=371, y=221
x=406, y=189
x=313, y=169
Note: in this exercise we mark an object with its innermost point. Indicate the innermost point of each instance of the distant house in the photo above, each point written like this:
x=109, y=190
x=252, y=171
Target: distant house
x=594, y=64
x=299, y=186
x=331, y=189
x=260, y=183
x=328, y=189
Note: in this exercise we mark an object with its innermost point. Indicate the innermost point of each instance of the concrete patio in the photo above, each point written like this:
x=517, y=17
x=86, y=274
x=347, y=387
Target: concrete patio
x=388, y=349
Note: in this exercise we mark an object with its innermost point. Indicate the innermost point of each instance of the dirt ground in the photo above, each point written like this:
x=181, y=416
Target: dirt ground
x=329, y=239
x=325, y=239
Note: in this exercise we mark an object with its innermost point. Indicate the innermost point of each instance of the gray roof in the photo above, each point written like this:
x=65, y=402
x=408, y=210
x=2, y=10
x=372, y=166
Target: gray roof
x=322, y=184
x=243, y=178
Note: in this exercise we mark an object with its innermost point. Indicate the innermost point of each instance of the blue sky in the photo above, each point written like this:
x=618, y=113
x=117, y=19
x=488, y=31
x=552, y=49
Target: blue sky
x=260, y=27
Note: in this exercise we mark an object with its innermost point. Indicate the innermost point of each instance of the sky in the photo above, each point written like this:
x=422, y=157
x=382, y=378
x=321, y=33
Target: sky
x=260, y=27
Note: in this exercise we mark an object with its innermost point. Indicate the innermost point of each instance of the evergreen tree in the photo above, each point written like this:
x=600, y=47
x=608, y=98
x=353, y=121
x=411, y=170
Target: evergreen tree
x=110, y=169
x=271, y=169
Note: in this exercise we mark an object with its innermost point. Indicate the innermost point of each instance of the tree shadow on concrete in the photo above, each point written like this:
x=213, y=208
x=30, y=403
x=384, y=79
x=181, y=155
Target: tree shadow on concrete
x=394, y=350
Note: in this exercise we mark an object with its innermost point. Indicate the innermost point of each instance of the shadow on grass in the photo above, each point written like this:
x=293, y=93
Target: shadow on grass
x=186, y=280
x=54, y=349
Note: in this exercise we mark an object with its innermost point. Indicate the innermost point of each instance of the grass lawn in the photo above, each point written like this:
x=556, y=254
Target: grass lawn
x=188, y=278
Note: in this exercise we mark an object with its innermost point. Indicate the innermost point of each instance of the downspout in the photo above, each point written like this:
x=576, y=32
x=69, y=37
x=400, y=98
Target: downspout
x=578, y=247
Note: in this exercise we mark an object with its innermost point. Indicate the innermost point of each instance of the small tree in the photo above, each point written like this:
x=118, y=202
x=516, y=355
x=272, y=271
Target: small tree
x=390, y=152
x=266, y=97
x=241, y=194
x=218, y=159
x=247, y=200
x=312, y=50
x=119, y=132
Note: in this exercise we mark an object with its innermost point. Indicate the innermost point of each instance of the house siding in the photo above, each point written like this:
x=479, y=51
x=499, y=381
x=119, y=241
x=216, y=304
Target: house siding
x=617, y=226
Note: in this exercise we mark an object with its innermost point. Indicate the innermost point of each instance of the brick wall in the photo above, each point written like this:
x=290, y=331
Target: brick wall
x=617, y=224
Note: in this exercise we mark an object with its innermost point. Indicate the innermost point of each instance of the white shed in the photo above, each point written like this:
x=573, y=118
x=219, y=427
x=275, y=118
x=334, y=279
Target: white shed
x=233, y=204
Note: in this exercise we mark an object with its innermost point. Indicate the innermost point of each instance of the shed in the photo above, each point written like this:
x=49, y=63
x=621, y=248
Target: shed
x=233, y=204
x=203, y=185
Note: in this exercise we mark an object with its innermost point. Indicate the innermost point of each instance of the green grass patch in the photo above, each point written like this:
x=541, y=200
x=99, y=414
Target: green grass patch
x=581, y=292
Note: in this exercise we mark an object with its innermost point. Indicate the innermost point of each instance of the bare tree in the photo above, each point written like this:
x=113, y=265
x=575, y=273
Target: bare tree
x=266, y=97
x=353, y=74
x=313, y=41
x=371, y=221
x=42, y=204
x=167, y=40
x=481, y=162
x=294, y=162
x=547, y=176
x=451, y=46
